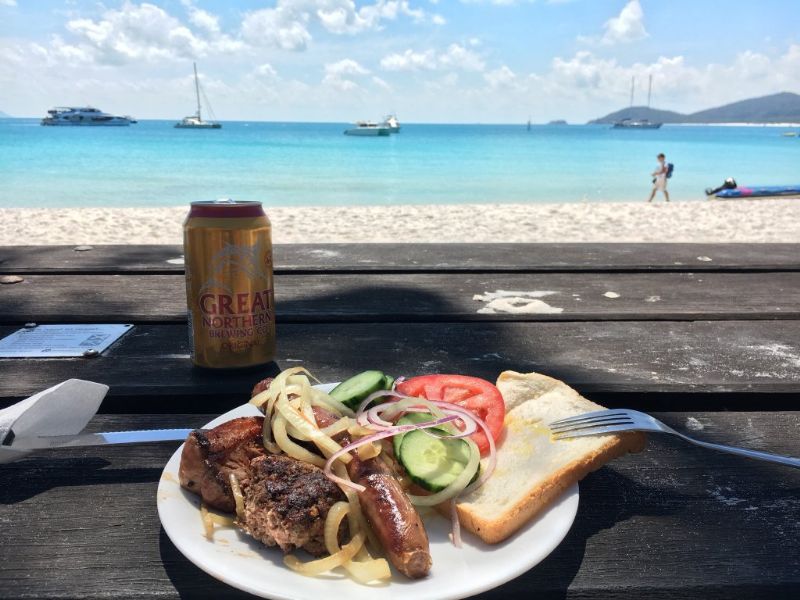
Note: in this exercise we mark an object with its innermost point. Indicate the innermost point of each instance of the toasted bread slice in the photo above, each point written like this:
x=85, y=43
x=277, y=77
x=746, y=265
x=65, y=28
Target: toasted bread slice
x=532, y=468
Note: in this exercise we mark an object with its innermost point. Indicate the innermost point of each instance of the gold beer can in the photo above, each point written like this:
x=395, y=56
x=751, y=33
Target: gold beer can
x=227, y=247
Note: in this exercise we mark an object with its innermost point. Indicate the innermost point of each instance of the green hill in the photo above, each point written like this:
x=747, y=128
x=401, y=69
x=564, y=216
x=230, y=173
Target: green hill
x=775, y=108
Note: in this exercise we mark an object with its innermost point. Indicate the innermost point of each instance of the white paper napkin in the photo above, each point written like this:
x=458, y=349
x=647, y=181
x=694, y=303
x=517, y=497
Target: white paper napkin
x=64, y=409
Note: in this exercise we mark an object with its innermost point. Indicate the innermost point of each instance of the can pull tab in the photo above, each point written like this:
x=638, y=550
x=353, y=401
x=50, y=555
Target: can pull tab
x=224, y=201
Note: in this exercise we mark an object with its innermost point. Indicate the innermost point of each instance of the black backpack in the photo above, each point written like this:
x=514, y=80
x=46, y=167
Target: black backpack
x=670, y=168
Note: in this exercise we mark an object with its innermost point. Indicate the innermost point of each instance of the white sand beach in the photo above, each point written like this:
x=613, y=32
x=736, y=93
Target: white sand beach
x=771, y=220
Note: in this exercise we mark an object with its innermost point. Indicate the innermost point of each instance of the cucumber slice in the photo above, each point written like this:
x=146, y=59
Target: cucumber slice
x=351, y=392
x=388, y=382
x=412, y=419
x=433, y=463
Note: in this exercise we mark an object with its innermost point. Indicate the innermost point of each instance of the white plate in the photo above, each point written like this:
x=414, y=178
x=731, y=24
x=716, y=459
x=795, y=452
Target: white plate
x=244, y=563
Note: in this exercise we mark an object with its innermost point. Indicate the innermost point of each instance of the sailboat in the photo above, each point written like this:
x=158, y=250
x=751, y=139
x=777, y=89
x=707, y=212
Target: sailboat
x=629, y=123
x=196, y=121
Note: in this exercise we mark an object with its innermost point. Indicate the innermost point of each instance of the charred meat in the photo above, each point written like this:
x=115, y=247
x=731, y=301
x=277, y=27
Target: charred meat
x=286, y=503
x=286, y=500
x=211, y=455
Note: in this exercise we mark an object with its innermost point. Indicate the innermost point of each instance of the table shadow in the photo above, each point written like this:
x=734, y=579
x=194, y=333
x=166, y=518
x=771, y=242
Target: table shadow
x=43, y=473
x=188, y=580
x=553, y=576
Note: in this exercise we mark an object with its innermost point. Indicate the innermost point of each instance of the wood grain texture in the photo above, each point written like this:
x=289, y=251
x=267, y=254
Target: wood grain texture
x=675, y=521
x=421, y=297
x=626, y=361
x=424, y=257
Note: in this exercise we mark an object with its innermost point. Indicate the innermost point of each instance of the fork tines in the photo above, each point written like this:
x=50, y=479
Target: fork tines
x=591, y=416
x=591, y=420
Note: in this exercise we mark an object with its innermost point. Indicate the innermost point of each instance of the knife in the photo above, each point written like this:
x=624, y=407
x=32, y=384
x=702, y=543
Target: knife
x=95, y=439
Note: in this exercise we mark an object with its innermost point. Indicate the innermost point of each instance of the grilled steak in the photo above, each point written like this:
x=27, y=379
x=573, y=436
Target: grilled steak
x=286, y=503
x=210, y=455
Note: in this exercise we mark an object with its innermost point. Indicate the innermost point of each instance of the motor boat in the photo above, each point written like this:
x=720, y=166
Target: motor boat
x=83, y=115
x=392, y=123
x=368, y=128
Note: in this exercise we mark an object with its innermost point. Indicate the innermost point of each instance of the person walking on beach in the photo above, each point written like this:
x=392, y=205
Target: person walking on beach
x=660, y=181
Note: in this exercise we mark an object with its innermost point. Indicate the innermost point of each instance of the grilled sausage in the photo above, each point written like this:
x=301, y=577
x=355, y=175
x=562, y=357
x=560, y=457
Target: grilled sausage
x=392, y=517
x=261, y=386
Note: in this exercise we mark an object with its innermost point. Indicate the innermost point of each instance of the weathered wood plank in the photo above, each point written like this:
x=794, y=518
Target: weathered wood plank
x=422, y=297
x=623, y=362
x=675, y=521
x=424, y=257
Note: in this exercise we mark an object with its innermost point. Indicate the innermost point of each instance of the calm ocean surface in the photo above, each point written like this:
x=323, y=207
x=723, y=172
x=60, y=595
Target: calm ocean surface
x=153, y=164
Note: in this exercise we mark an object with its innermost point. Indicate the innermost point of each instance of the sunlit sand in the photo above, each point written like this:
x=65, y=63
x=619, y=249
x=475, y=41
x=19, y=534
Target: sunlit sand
x=713, y=221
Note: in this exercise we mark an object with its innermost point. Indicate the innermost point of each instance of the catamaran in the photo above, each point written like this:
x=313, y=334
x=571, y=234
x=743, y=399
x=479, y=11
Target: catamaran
x=196, y=121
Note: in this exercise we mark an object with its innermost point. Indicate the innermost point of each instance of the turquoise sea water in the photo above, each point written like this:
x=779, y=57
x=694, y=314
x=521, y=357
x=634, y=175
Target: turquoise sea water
x=153, y=164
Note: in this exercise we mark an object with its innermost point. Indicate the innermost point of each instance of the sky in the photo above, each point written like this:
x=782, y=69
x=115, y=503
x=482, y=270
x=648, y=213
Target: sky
x=445, y=61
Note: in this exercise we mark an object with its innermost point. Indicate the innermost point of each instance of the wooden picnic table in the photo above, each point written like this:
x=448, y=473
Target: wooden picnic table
x=706, y=337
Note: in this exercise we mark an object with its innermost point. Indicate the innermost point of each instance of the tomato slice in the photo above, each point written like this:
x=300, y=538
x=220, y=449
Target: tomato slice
x=473, y=393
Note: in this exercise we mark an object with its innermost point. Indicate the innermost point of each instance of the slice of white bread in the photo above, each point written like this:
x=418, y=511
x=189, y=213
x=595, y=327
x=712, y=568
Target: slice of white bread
x=532, y=468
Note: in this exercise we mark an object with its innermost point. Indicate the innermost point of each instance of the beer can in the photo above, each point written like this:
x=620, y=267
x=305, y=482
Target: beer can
x=227, y=248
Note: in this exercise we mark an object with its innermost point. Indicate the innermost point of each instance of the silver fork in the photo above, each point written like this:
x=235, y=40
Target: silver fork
x=618, y=420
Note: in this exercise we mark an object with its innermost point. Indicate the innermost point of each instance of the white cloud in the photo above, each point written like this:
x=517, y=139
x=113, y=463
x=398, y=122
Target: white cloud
x=8, y=2
x=628, y=26
x=143, y=32
x=454, y=57
x=345, y=66
x=202, y=19
x=502, y=77
x=409, y=61
x=287, y=25
x=279, y=27
x=342, y=16
x=340, y=74
x=381, y=83
x=462, y=58
x=266, y=71
x=438, y=20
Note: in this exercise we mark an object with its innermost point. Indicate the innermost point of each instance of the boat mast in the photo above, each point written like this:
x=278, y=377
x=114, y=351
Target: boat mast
x=197, y=91
x=633, y=79
x=649, y=90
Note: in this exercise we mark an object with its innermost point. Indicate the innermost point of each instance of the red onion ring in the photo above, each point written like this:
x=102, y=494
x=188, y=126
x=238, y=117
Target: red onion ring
x=454, y=413
x=328, y=469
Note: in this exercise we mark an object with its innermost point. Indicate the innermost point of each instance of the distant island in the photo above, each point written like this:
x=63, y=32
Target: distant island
x=776, y=108
x=558, y=122
x=5, y=115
